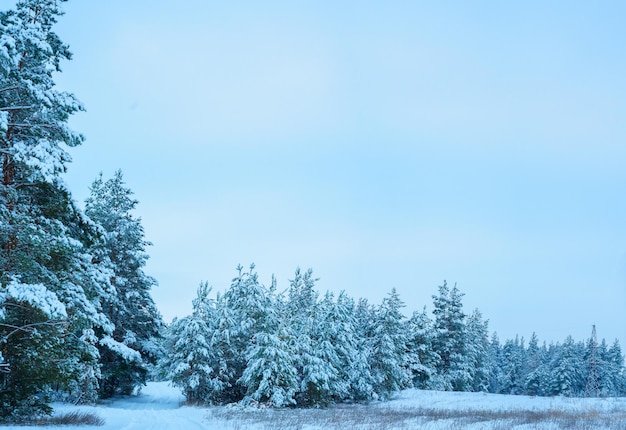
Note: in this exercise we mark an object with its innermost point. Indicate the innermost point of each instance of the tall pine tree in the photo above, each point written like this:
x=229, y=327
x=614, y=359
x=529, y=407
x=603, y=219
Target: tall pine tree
x=193, y=361
x=449, y=339
x=390, y=347
x=137, y=322
x=420, y=343
x=44, y=239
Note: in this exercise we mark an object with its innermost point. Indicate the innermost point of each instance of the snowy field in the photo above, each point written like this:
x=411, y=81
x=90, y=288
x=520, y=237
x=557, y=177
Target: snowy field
x=158, y=406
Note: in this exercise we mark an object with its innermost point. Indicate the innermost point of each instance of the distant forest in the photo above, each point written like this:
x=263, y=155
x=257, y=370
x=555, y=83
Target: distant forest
x=253, y=344
x=78, y=323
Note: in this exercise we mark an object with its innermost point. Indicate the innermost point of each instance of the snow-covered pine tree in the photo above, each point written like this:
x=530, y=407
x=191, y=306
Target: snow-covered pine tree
x=420, y=343
x=477, y=348
x=136, y=319
x=300, y=313
x=389, y=347
x=567, y=369
x=449, y=340
x=33, y=114
x=615, y=374
x=223, y=327
x=332, y=351
x=193, y=361
x=301, y=300
x=513, y=364
x=187, y=361
x=605, y=380
x=346, y=346
x=32, y=328
x=536, y=372
x=304, y=315
x=247, y=302
x=534, y=354
x=495, y=363
x=44, y=239
x=362, y=382
x=271, y=376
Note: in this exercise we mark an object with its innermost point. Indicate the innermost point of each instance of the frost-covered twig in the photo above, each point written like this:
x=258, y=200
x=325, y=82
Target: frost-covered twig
x=9, y=89
x=29, y=327
x=7, y=108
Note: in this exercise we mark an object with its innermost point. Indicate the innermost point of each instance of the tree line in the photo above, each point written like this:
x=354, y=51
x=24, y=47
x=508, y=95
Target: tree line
x=255, y=345
x=77, y=321
x=76, y=317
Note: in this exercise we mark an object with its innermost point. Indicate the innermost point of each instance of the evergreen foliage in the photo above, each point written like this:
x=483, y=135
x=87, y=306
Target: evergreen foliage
x=255, y=346
x=270, y=375
x=424, y=358
x=193, y=365
x=131, y=309
x=477, y=350
x=390, y=354
x=77, y=320
x=56, y=286
x=449, y=340
x=44, y=239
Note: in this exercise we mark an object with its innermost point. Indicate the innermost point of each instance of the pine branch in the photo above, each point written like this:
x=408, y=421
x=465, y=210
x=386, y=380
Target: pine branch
x=26, y=125
x=15, y=87
x=29, y=327
x=4, y=109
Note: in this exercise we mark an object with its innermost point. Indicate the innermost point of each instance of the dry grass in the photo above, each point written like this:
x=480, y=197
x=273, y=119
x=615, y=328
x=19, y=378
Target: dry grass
x=364, y=417
x=67, y=419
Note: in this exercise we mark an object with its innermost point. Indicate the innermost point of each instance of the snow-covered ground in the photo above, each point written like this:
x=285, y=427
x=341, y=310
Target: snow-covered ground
x=158, y=406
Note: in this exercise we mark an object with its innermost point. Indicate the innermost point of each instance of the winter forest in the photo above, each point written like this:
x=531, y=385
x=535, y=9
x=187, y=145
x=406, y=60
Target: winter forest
x=78, y=324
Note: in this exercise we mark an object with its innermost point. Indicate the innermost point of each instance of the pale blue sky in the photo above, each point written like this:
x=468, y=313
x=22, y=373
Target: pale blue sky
x=384, y=144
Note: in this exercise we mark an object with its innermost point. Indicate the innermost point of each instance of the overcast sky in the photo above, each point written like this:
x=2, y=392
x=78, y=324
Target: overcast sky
x=384, y=144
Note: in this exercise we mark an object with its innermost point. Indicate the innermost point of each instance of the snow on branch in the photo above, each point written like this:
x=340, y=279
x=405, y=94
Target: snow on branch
x=124, y=351
x=7, y=108
x=37, y=295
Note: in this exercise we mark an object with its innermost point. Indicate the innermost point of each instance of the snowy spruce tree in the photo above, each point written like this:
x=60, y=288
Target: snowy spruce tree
x=303, y=314
x=536, y=373
x=612, y=373
x=50, y=289
x=476, y=350
x=567, y=377
x=332, y=350
x=495, y=360
x=270, y=376
x=247, y=302
x=449, y=340
x=420, y=343
x=193, y=361
x=390, y=354
x=362, y=376
x=346, y=345
x=133, y=348
x=513, y=365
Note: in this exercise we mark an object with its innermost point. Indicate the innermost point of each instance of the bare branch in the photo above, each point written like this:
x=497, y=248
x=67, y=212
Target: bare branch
x=29, y=327
x=9, y=89
x=17, y=108
x=26, y=125
x=27, y=184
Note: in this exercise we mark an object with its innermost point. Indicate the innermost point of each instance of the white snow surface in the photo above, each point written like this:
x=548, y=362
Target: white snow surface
x=160, y=406
x=37, y=295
